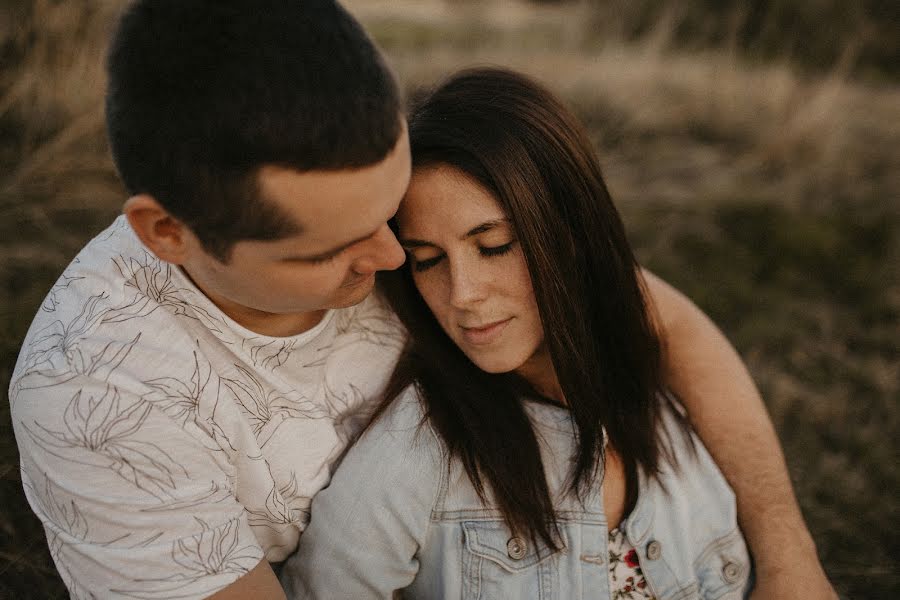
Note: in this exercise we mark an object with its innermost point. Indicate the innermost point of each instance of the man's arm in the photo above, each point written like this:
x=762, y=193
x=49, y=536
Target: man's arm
x=260, y=583
x=727, y=412
x=132, y=503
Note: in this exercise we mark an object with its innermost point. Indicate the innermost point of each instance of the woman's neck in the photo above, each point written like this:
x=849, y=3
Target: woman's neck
x=539, y=372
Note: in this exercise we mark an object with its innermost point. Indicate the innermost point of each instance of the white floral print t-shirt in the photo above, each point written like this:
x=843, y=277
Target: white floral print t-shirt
x=165, y=448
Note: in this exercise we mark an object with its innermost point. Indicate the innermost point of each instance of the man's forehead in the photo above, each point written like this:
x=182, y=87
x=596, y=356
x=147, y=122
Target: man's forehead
x=340, y=205
x=327, y=219
x=310, y=198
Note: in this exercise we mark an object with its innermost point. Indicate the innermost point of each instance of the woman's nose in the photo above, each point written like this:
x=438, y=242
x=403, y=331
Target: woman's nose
x=467, y=286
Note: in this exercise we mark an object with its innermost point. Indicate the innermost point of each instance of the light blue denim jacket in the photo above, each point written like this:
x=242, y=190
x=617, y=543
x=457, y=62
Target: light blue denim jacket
x=401, y=520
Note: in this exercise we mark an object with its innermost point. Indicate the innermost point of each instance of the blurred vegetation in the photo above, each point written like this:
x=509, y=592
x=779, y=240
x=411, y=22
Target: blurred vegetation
x=752, y=147
x=821, y=35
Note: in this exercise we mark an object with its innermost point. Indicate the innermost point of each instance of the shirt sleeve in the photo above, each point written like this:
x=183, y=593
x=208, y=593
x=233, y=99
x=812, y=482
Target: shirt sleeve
x=367, y=526
x=133, y=505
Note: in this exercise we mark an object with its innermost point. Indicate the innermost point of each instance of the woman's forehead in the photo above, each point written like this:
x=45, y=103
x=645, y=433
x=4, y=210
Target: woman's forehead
x=443, y=197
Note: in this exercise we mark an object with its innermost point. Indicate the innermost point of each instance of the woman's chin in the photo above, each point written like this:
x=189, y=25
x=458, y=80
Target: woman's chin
x=494, y=364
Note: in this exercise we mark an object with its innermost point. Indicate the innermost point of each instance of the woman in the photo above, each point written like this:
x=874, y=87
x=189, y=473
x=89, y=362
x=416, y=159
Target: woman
x=526, y=447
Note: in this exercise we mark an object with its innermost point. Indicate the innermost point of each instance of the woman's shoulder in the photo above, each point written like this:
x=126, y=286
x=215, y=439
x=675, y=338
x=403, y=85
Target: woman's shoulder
x=401, y=433
x=403, y=418
x=383, y=493
x=396, y=464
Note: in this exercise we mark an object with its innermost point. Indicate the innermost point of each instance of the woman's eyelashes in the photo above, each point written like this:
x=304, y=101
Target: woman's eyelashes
x=486, y=251
x=495, y=250
x=424, y=265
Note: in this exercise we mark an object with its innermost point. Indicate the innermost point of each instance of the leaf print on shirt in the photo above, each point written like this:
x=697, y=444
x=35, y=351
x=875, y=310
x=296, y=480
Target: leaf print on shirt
x=340, y=403
x=214, y=551
x=51, y=346
x=52, y=300
x=65, y=519
x=177, y=398
x=269, y=354
x=349, y=409
x=98, y=365
x=153, y=285
x=268, y=409
x=196, y=559
x=209, y=423
x=100, y=432
x=214, y=495
x=372, y=325
x=284, y=505
x=120, y=224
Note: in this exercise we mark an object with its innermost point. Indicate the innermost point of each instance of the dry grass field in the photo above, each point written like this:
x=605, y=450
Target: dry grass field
x=761, y=179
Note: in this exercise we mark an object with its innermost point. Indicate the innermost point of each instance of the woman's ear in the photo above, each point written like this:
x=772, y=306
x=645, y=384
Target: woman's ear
x=164, y=235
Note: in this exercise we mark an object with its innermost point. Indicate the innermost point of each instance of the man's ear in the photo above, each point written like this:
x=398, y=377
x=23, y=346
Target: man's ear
x=167, y=237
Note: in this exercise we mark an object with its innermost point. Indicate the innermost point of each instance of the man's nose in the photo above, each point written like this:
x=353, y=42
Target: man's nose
x=384, y=253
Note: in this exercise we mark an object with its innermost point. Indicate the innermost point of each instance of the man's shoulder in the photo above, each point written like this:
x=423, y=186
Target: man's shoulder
x=101, y=267
x=113, y=302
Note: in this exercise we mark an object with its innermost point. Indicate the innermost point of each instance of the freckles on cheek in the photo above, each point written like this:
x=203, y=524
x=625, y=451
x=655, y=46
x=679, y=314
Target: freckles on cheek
x=428, y=294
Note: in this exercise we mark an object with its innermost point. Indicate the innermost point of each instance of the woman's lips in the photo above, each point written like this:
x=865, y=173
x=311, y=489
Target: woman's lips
x=480, y=336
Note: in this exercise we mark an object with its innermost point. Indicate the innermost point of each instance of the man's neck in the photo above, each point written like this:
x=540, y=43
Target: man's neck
x=272, y=324
x=259, y=321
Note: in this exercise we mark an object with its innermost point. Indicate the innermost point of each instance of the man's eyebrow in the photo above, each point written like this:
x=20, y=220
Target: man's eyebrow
x=334, y=251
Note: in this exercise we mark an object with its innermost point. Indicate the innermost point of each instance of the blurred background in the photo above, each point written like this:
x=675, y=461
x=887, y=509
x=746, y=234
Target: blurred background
x=752, y=146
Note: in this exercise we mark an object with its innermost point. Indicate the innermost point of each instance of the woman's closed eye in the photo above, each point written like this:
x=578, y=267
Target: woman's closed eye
x=495, y=250
x=425, y=264
x=486, y=251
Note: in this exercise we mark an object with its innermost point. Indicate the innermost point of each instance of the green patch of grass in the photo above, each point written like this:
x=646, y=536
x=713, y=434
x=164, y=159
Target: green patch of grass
x=811, y=301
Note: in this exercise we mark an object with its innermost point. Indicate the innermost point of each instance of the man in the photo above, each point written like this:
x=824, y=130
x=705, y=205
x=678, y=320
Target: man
x=196, y=372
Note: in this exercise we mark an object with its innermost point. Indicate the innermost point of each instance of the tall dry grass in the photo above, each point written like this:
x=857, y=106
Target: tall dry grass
x=767, y=191
x=815, y=132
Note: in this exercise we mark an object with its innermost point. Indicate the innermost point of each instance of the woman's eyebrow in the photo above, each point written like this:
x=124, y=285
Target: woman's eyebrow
x=414, y=243
x=486, y=226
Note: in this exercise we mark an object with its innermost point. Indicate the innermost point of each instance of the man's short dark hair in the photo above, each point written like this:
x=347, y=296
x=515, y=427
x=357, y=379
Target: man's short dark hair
x=202, y=93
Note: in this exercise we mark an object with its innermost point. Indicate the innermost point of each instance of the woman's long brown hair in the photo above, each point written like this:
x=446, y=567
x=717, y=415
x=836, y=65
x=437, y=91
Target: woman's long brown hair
x=527, y=149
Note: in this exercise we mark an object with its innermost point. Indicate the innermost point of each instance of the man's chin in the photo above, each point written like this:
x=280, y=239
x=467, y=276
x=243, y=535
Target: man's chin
x=354, y=293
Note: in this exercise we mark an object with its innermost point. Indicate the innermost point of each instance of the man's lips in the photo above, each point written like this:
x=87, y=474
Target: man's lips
x=485, y=334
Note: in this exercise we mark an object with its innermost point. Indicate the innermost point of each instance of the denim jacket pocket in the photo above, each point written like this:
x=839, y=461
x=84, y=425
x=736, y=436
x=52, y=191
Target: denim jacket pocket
x=497, y=564
x=723, y=568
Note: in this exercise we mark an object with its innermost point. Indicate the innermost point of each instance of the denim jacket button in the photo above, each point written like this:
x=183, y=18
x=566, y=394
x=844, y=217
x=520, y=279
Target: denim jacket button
x=654, y=550
x=515, y=548
x=731, y=571
x=594, y=559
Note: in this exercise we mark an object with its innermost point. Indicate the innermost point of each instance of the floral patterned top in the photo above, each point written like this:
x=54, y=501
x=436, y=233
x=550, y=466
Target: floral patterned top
x=626, y=580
